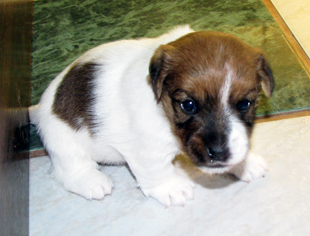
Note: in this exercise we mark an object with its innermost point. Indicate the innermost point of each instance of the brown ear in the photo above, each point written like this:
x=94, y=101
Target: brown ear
x=265, y=74
x=158, y=69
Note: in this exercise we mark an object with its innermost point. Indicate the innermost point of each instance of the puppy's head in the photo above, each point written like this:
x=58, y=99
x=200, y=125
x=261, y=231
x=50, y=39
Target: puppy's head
x=208, y=84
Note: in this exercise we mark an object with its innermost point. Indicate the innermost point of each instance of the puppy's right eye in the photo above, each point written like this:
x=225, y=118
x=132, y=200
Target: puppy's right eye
x=244, y=106
x=189, y=107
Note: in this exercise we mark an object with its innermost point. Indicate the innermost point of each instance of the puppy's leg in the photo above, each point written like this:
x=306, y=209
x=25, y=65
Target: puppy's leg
x=253, y=167
x=161, y=180
x=80, y=174
x=72, y=162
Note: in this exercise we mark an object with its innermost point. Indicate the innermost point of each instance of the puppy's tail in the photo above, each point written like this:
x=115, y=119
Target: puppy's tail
x=33, y=114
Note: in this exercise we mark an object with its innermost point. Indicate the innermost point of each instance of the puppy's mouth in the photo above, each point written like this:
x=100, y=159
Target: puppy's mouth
x=215, y=168
x=218, y=165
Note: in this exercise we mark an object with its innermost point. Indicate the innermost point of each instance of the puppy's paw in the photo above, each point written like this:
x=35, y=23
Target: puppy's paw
x=90, y=184
x=252, y=168
x=175, y=191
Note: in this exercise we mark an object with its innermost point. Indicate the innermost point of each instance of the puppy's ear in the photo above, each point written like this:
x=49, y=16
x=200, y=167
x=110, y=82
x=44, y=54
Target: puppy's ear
x=159, y=67
x=265, y=74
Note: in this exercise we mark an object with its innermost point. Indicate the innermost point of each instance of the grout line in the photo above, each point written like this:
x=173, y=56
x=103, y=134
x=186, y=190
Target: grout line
x=283, y=115
x=38, y=153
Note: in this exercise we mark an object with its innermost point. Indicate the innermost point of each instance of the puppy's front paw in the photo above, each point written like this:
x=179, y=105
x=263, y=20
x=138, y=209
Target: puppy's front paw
x=90, y=184
x=175, y=191
x=252, y=168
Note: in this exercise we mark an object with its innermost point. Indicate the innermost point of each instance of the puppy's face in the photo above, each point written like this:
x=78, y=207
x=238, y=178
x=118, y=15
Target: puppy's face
x=208, y=84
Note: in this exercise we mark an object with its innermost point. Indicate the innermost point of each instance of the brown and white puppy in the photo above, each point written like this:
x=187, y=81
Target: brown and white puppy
x=142, y=102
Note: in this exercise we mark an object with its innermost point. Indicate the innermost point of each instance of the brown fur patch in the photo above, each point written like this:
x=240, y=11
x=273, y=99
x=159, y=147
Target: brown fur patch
x=195, y=68
x=74, y=96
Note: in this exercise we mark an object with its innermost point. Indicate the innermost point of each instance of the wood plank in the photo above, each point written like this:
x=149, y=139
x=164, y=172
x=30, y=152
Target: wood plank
x=15, y=75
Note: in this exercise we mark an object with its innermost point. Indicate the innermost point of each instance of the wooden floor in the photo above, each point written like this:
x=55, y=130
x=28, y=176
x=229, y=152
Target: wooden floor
x=15, y=76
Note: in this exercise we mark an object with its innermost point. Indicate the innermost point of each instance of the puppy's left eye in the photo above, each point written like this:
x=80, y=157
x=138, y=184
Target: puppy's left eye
x=189, y=106
x=243, y=106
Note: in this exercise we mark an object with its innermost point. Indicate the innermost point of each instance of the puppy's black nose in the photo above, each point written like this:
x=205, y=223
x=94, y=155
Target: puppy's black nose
x=217, y=153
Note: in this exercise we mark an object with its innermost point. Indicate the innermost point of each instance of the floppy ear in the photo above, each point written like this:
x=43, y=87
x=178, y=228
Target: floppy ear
x=265, y=74
x=158, y=69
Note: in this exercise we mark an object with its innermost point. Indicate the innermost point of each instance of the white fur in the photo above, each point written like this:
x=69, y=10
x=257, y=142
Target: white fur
x=253, y=167
x=226, y=88
x=134, y=127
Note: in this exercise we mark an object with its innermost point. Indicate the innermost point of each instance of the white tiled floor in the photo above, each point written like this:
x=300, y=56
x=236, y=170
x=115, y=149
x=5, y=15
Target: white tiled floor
x=275, y=205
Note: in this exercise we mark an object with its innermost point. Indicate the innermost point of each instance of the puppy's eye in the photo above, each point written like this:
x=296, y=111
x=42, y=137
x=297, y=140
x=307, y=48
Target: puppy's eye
x=243, y=106
x=189, y=106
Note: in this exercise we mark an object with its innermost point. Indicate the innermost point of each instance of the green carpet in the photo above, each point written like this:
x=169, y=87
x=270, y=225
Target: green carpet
x=65, y=29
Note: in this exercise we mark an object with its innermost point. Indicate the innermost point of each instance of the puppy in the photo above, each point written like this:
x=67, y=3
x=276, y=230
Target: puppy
x=142, y=102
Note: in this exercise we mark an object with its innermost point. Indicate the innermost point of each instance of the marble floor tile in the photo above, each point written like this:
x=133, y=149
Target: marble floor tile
x=64, y=30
